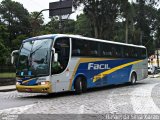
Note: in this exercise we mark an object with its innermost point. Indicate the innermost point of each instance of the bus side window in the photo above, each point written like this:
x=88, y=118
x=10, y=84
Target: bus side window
x=114, y=51
x=79, y=47
x=118, y=51
x=139, y=52
x=106, y=50
x=126, y=52
x=76, y=52
x=143, y=53
x=86, y=49
x=93, y=51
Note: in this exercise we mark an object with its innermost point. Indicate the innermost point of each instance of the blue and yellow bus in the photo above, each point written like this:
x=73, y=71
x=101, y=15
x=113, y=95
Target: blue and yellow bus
x=58, y=62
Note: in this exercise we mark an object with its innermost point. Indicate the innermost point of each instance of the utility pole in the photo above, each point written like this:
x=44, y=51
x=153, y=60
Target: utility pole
x=126, y=35
x=62, y=7
x=60, y=20
x=141, y=37
x=157, y=58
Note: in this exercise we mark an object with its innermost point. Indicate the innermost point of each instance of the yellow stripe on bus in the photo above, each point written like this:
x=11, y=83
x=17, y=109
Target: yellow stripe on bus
x=103, y=74
x=27, y=80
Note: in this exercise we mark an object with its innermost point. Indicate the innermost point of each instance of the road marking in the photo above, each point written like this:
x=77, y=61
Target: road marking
x=142, y=101
x=17, y=110
x=81, y=109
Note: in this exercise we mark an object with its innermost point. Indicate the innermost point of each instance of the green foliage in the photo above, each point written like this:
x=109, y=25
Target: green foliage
x=7, y=75
x=102, y=15
x=18, y=41
x=83, y=26
x=4, y=52
x=4, y=34
x=116, y=20
x=157, y=27
x=68, y=26
x=36, y=23
x=16, y=19
x=123, y=21
x=52, y=26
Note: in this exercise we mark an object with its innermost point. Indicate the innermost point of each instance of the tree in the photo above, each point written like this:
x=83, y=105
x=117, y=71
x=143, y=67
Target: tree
x=102, y=15
x=68, y=26
x=4, y=52
x=127, y=12
x=37, y=23
x=52, y=26
x=18, y=41
x=4, y=35
x=157, y=40
x=83, y=26
x=146, y=23
x=15, y=17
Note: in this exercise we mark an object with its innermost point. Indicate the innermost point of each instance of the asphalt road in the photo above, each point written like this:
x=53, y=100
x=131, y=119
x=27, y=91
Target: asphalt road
x=142, y=98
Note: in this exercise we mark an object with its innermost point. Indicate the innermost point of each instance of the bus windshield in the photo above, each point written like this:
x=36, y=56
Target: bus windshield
x=34, y=58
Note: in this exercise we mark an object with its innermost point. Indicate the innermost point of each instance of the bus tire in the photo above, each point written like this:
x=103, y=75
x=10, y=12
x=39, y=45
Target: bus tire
x=84, y=85
x=133, y=79
x=78, y=85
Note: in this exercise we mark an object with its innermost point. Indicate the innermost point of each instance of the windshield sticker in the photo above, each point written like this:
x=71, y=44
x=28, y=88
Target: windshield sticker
x=22, y=73
x=29, y=73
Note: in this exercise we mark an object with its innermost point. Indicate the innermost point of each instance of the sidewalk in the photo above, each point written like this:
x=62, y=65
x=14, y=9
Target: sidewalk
x=7, y=88
x=154, y=75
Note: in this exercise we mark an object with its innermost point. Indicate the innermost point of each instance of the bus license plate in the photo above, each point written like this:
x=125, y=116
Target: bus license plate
x=29, y=90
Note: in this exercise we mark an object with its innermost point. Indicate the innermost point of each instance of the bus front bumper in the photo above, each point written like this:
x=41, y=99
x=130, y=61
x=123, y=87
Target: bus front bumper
x=34, y=89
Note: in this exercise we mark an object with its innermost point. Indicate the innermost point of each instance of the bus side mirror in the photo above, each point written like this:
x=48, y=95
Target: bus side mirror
x=14, y=56
x=55, y=57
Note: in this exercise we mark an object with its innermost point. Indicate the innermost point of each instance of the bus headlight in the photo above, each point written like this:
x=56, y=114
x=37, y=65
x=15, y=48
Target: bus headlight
x=44, y=83
x=17, y=83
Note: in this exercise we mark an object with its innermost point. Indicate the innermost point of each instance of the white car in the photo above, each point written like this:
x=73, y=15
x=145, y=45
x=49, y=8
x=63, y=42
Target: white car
x=152, y=69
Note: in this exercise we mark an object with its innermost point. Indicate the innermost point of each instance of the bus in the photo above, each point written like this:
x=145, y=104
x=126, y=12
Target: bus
x=59, y=62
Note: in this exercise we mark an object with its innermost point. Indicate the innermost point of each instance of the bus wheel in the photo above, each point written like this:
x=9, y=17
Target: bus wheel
x=80, y=85
x=133, y=78
x=84, y=85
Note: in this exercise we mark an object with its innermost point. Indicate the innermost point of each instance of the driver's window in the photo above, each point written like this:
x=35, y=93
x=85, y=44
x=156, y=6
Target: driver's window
x=62, y=47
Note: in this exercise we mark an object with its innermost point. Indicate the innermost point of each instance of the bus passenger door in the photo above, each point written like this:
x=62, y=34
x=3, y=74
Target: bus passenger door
x=60, y=70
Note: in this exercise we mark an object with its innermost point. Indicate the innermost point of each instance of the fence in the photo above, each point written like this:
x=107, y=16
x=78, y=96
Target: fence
x=7, y=75
x=7, y=69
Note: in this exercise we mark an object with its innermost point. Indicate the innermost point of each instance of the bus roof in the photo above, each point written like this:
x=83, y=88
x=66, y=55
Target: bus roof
x=79, y=37
x=40, y=37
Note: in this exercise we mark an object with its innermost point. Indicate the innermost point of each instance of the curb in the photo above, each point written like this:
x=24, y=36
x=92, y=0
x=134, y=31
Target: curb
x=8, y=90
x=155, y=76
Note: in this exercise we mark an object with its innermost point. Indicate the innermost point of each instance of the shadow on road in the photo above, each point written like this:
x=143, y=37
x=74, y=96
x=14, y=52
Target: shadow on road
x=91, y=90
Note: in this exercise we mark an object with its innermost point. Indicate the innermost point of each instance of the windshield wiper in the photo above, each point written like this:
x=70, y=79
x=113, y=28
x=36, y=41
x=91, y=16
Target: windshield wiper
x=30, y=56
x=35, y=51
